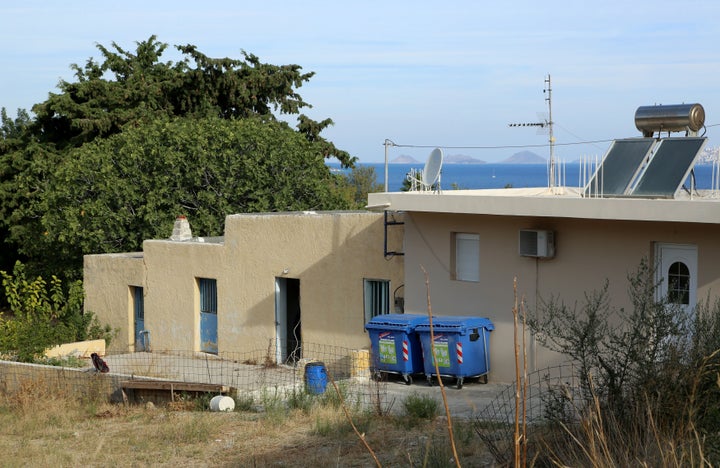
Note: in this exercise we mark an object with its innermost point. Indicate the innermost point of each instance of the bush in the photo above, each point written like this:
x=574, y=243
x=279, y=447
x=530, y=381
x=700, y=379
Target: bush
x=418, y=406
x=44, y=315
x=650, y=372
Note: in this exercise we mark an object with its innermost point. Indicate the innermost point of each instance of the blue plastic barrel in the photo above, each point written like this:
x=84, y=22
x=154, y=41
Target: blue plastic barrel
x=315, y=378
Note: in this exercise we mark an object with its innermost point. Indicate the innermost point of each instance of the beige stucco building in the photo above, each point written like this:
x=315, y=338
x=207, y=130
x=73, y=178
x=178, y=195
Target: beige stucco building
x=286, y=279
x=270, y=267
x=469, y=242
x=290, y=278
x=315, y=272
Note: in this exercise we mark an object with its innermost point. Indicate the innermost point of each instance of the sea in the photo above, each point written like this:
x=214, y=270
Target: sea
x=498, y=175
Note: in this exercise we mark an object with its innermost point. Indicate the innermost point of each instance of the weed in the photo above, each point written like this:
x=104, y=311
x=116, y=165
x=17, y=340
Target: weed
x=274, y=405
x=335, y=398
x=299, y=399
x=244, y=402
x=68, y=361
x=418, y=406
x=324, y=427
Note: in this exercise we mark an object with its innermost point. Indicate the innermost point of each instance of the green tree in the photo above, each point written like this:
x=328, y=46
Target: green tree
x=130, y=88
x=12, y=163
x=363, y=180
x=113, y=193
x=114, y=156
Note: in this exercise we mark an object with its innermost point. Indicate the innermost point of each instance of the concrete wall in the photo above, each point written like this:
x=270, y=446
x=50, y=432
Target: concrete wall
x=587, y=253
x=107, y=280
x=329, y=252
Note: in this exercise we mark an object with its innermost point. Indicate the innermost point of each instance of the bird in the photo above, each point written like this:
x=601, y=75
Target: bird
x=100, y=365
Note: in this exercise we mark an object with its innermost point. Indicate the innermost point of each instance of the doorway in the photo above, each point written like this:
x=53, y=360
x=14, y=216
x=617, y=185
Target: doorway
x=139, y=319
x=288, y=332
x=676, y=270
x=208, y=315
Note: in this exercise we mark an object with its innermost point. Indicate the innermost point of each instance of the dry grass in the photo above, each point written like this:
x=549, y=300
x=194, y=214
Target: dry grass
x=42, y=428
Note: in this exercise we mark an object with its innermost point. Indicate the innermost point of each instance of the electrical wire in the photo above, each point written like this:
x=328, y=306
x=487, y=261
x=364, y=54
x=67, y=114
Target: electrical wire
x=545, y=145
x=493, y=147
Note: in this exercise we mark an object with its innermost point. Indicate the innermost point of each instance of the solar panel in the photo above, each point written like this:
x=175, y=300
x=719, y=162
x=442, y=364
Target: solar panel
x=669, y=167
x=619, y=167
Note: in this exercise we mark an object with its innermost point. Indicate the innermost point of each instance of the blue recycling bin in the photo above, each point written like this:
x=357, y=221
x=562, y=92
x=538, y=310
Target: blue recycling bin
x=461, y=347
x=395, y=345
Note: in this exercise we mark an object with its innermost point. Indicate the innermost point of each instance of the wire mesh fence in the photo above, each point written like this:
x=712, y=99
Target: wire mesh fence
x=546, y=395
x=250, y=375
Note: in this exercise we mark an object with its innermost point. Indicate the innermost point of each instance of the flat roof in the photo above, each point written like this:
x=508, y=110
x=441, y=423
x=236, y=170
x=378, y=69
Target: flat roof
x=557, y=202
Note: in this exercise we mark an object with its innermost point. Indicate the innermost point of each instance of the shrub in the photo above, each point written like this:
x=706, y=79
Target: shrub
x=650, y=372
x=44, y=315
x=418, y=406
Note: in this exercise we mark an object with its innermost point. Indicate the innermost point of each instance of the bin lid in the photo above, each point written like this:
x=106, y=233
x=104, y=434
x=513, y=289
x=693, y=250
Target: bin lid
x=406, y=322
x=456, y=323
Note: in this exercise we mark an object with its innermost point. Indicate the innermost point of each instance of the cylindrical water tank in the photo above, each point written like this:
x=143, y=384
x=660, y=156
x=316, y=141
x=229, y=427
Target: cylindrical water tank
x=670, y=118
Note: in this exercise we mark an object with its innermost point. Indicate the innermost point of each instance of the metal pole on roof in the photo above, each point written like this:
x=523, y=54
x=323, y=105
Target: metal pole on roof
x=387, y=143
x=546, y=123
x=550, y=128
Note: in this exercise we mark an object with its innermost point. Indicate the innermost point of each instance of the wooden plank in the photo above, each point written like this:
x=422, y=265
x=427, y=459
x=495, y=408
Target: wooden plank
x=174, y=386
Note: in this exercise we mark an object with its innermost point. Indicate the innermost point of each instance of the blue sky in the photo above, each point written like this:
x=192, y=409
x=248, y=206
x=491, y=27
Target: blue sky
x=416, y=73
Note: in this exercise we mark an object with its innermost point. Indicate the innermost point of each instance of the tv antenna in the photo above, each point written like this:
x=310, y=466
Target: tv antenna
x=546, y=122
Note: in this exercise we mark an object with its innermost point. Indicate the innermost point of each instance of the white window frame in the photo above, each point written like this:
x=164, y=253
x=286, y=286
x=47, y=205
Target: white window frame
x=466, y=257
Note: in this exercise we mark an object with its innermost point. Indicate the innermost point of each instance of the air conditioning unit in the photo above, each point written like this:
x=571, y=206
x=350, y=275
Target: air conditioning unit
x=537, y=243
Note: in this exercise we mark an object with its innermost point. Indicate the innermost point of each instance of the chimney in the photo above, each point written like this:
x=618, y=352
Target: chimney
x=181, y=229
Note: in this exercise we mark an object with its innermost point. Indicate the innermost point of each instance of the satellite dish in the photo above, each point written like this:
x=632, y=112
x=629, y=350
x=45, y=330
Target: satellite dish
x=431, y=173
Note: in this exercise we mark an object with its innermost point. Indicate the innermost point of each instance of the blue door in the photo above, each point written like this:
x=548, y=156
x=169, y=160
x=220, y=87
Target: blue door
x=139, y=318
x=208, y=315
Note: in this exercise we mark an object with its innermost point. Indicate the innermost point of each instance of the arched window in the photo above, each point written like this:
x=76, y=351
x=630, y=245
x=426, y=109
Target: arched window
x=678, y=276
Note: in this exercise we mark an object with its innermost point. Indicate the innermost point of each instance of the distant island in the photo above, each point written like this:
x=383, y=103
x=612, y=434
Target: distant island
x=462, y=159
x=405, y=159
x=523, y=157
x=449, y=159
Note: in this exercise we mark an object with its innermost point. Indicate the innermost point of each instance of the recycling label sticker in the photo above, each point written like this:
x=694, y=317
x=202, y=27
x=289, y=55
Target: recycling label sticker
x=442, y=354
x=388, y=354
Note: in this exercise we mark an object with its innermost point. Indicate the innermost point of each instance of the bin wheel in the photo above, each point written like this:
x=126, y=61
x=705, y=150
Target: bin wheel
x=429, y=379
x=484, y=379
x=459, y=383
x=377, y=376
x=408, y=379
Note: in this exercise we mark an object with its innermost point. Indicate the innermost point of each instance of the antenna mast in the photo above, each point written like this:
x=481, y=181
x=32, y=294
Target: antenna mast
x=549, y=123
x=546, y=123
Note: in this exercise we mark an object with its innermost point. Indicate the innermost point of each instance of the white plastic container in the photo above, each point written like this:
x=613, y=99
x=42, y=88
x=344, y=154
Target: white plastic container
x=222, y=403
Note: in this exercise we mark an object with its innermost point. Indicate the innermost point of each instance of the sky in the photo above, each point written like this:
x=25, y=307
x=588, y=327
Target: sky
x=419, y=74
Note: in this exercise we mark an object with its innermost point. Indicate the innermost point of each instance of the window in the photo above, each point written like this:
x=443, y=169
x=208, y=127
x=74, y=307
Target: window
x=208, y=295
x=138, y=303
x=377, y=298
x=678, y=276
x=466, y=257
